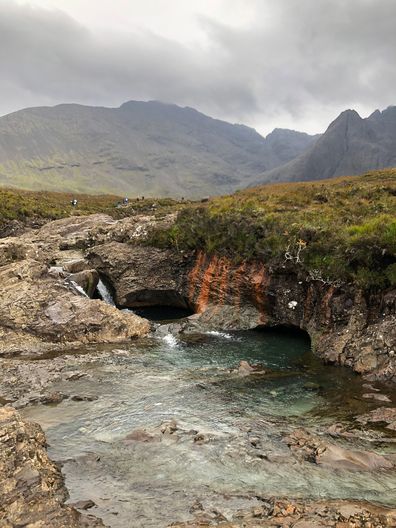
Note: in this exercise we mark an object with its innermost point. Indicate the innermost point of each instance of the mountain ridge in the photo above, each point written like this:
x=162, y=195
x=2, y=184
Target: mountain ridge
x=148, y=148
x=350, y=145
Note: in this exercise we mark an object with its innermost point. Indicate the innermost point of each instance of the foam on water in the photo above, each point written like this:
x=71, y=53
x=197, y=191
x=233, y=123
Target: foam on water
x=219, y=334
x=170, y=340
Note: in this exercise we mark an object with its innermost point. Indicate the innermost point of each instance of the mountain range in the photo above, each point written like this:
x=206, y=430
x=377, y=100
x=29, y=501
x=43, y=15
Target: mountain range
x=350, y=145
x=157, y=149
x=148, y=148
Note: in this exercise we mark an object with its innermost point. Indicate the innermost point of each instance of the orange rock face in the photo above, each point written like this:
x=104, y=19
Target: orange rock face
x=216, y=280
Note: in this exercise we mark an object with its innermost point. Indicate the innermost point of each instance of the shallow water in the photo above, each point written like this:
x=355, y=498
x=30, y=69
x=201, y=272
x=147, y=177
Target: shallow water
x=140, y=484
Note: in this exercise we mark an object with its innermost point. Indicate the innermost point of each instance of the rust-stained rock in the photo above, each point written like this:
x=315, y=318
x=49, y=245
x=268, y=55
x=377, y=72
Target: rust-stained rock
x=346, y=326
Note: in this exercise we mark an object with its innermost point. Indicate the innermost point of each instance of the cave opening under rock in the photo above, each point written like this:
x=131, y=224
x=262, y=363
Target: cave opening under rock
x=287, y=331
x=163, y=312
x=155, y=305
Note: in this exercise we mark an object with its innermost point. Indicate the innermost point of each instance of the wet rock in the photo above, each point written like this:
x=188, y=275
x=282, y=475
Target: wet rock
x=168, y=427
x=377, y=397
x=52, y=398
x=76, y=266
x=79, y=398
x=246, y=369
x=83, y=504
x=199, y=439
x=87, y=280
x=254, y=441
x=370, y=387
x=339, y=457
x=386, y=415
x=283, y=513
x=315, y=450
x=141, y=435
x=32, y=490
x=311, y=386
x=75, y=376
x=338, y=429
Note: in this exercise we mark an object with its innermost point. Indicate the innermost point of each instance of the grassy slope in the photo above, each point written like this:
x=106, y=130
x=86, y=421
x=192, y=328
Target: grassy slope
x=30, y=205
x=342, y=229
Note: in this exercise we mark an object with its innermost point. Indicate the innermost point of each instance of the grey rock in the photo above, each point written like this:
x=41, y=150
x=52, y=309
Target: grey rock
x=350, y=145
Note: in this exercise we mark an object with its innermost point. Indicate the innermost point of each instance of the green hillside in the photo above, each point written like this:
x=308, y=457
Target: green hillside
x=140, y=148
x=337, y=230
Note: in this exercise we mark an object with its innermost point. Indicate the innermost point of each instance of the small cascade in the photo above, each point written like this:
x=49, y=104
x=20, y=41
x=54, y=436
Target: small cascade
x=170, y=340
x=78, y=288
x=104, y=293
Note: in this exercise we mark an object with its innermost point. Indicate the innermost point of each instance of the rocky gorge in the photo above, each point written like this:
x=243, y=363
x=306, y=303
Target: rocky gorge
x=53, y=324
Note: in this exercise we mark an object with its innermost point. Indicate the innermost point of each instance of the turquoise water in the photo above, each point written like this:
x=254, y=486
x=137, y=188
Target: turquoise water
x=211, y=457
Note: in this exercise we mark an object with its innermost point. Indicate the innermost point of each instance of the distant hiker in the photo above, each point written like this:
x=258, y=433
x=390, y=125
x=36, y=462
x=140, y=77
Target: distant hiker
x=74, y=202
x=125, y=201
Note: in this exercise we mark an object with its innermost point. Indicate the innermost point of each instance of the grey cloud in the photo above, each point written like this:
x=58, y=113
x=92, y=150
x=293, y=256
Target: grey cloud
x=298, y=58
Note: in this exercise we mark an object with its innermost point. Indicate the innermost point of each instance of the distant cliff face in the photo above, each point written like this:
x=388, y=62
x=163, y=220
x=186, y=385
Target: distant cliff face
x=350, y=145
x=147, y=148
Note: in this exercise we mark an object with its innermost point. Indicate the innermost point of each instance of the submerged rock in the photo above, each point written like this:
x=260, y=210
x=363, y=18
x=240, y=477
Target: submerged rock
x=376, y=396
x=245, y=368
x=141, y=435
x=314, y=449
x=311, y=386
x=385, y=415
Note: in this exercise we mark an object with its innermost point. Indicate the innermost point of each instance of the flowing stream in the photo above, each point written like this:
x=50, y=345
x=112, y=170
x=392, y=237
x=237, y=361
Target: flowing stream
x=228, y=444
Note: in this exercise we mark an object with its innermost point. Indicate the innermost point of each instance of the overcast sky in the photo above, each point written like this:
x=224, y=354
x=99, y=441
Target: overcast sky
x=265, y=63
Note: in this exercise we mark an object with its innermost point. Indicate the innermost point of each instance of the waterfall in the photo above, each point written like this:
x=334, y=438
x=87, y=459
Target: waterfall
x=105, y=294
x=78, y=288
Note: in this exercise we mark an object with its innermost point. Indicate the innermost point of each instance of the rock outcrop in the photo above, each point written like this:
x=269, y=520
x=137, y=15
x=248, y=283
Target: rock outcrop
x=32, y=490
x=39, y=304
x=42, y=308
x=346, y=326
x=141, y=276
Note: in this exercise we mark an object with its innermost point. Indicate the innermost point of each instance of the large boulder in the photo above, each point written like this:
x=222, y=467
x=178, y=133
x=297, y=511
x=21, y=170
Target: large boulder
x=36, y=307
x=140, y=275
